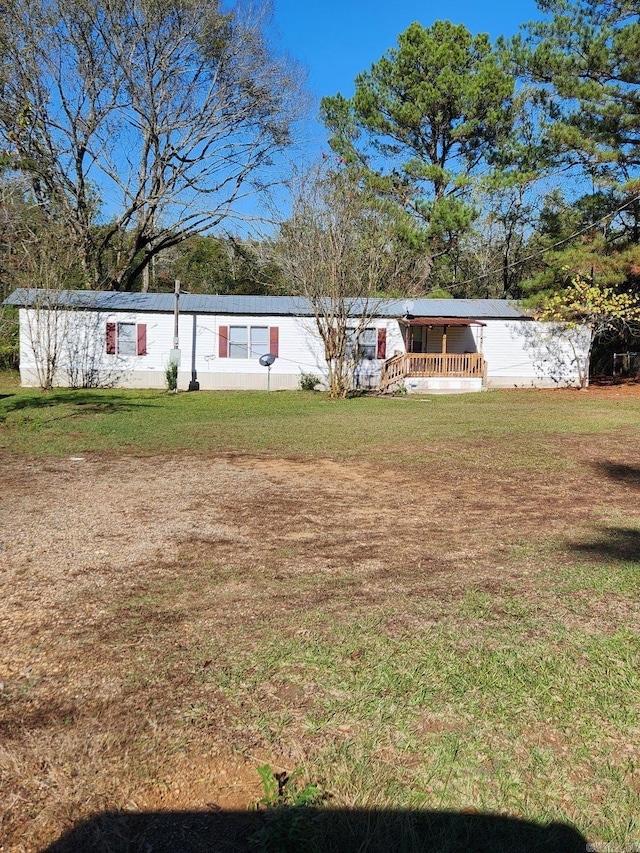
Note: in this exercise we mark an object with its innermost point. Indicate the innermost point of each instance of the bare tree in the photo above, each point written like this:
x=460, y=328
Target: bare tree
x=494, y=253
x=61, y=337
x=45, y=323
x=343, y=251
x=168, y=113
x=18, y=219
x=13, y=212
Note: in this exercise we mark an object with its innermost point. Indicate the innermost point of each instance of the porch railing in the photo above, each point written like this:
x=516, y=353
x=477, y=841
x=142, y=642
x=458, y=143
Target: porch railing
x=468, y=364
x=393, y=372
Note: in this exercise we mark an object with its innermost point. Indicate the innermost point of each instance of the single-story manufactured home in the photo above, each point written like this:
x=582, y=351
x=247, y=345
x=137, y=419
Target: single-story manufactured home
x=429, y=345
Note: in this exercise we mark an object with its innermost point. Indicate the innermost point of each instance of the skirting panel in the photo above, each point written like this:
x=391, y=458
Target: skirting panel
x=444, y=385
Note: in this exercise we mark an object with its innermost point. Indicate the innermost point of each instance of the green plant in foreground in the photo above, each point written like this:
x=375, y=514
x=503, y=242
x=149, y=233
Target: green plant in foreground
x=171, y=376
x=280, y=790
x=288, y=822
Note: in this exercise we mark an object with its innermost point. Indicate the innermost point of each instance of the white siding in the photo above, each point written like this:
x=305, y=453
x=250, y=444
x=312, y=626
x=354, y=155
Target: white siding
x=526, y=353
x=518, y=353
x=299, y=350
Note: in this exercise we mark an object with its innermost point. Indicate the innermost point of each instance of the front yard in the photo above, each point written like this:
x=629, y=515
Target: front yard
x=426, y=604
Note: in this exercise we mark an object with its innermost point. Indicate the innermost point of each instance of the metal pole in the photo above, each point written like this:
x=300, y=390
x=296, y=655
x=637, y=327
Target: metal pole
x=194, y=385
x=176, y=313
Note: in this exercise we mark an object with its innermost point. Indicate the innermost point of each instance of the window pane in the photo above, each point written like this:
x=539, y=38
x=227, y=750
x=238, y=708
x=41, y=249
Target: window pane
x=351, y=340
x=368, y=341
x=259, y=341
x=127, y=343
x=237, y=341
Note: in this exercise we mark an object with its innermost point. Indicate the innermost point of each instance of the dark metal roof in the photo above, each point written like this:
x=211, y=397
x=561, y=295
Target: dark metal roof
x=479, y=309
x=294, y=306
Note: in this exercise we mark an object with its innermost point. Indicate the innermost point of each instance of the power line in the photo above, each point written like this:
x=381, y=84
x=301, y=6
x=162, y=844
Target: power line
x=544, y=251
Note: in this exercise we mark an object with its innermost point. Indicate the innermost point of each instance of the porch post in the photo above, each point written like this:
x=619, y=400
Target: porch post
x=408, y=338
x=444, y=340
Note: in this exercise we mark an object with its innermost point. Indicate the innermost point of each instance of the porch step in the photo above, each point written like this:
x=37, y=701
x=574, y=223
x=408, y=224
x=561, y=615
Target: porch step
x=443, y=385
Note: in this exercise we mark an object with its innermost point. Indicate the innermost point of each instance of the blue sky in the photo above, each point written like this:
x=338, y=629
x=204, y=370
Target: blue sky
x=336, y=40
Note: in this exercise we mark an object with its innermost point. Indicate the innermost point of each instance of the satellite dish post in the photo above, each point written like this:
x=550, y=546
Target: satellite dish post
x=267, y=361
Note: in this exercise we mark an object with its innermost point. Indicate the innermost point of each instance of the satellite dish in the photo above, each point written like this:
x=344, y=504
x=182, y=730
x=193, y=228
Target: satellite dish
x=407, y=306
x=267, y=360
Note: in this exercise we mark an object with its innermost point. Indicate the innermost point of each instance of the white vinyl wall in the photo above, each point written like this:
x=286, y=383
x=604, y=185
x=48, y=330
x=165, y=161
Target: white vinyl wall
x=527, y=353
x=83, y=341
x=519, y=353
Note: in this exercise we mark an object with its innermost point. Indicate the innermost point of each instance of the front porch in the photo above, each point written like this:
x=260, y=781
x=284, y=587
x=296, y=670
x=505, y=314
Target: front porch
x=424, y=371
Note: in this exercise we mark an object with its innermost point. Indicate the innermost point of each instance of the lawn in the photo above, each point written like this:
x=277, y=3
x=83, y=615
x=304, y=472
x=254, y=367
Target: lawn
x=416, y=605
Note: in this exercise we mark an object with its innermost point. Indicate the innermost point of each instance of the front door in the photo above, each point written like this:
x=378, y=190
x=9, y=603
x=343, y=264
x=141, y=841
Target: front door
x=418, y=339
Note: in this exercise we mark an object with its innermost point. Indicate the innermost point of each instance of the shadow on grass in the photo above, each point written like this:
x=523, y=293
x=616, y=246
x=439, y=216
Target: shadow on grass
x=315, y=830
x=613, y=543
x=628, y=475
x=87, y=401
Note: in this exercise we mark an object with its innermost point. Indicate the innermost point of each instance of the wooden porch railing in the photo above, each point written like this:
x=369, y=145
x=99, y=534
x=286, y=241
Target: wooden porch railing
x=393, y=372
x=467, y=364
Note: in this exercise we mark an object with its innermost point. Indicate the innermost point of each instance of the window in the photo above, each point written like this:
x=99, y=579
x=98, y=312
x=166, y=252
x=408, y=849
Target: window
x=257, y=337
x=247, y=341
x=366, y=345
x=259, y=341
x=238, y=342
x=126, y=339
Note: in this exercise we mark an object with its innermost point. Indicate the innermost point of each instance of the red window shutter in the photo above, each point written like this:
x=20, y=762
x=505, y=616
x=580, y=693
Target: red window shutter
x=274, y=340
x=111, y=338
x=223, y=342
x=382, y=343
x=142, y=338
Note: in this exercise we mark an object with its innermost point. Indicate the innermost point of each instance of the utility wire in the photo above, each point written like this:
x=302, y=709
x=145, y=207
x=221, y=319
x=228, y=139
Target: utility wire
x=544, y=251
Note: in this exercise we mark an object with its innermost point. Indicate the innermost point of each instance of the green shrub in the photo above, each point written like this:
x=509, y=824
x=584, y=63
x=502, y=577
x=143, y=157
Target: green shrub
x=290, y=823
x=308, y=382
x=171, y=376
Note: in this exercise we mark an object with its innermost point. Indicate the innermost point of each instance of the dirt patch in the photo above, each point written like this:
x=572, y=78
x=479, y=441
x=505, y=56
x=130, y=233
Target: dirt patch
x=123, y=578
x=598, y=389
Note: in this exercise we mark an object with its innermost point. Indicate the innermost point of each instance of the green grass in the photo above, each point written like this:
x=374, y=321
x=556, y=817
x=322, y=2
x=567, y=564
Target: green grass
x=496, y=705
x=65, y=422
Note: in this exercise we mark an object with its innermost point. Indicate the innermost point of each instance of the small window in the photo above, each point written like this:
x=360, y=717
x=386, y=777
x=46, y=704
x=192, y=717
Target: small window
x=248, y=341
x=127, y=341
x=126, y=338
x=366, y=344
x=238, y=342
x=259, y=341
